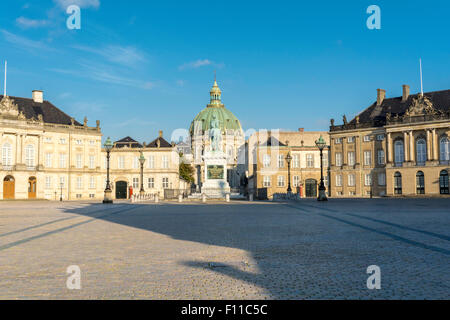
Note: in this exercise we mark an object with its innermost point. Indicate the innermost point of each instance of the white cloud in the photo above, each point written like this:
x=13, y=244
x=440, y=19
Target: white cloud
x=81, y=3
x=31, y=23
x=24, y=43
x=199, y=63
x=128, y=56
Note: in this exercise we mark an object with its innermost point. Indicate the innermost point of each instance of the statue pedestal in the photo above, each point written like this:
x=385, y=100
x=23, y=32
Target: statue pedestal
x=215, y=175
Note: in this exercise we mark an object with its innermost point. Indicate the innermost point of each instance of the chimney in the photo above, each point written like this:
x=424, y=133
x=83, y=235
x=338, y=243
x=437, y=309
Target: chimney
x=405, y=93
x=160, y=133
x=381, y=94
x=38, y=96
x=301, y=129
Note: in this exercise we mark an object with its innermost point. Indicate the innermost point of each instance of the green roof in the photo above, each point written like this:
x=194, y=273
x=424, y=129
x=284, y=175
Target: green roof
x=226, y=119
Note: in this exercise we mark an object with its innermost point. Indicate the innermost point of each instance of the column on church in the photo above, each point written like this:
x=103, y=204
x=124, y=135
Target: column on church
x=428, y=145
x=435, y=146
x=405, y=144
x=389, y=148
x=411, y=147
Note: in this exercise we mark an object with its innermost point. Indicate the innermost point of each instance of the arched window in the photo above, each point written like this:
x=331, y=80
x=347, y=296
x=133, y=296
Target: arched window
x=399, y=153
x=7, y=155
x=29, y=155
x=445, y=150
x=420, y=183
x=397, y=183
x=443, y=182
x=421, y=151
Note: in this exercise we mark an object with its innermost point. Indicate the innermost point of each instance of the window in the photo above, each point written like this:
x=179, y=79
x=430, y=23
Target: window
x=29, y=155
x=165, y=162
x=351, y=180
x=310, y=160
x=7, y=154
x=338, y=141
x=48, y=182
x=91, y=162
x=79, y=183
x=135, y=183
x=380, y=156
x=121, y=162
x=62, y=141
x=420, y=183
x=338, y=159
x=350, y=139
x=296, y=161
x=151, y=162
x=366, y=138
x=135, y=162
x=325, y=161
x=397, y=183
x=326, y=181
x=381, y=179
x=380, y=137
x=443, y=182
x=92, y=142
x=399, y=153
x=165, y=183
x=280, y=181
x=368, y=179
x=266, y=161
x=266, y=181
x=280, y=161
x=62, y=160
x=79, y=161
x=421, y=152
x=339, y=180
x=351, y=158
x=48, y=139
x=367, y=158
x=151, y=183
x=48, y=160
x=445, y=150
x=296, y=181
x=92, y=183
x=78, y=142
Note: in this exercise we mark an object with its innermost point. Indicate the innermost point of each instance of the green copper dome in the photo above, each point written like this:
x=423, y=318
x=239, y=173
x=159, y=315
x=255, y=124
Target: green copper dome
x=226, y=119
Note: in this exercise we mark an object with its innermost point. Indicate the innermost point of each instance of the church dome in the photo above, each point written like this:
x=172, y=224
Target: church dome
x=215, y=108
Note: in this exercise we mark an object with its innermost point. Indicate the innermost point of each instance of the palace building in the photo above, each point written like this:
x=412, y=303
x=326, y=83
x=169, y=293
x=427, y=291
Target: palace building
x=46, y=154
x=233, y=140
x=396, y=147
x=268, y=169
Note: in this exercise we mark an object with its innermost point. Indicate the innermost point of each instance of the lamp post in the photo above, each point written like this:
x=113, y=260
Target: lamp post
x=141, y=161
x=288, y=160
x=321, y=143
x=108, y=192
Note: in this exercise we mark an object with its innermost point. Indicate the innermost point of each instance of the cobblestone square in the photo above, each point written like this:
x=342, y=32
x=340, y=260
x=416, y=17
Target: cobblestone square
x=237, y=250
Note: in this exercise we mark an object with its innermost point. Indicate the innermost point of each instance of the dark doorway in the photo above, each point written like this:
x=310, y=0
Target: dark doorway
x=311, y=188
x=121, y=190
x=443, y=182
x=32, y=188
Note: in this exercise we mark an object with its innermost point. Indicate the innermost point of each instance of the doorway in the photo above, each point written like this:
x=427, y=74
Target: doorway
x=311, y=188
x=32, y=188
x=121, y=190
x=9, y=187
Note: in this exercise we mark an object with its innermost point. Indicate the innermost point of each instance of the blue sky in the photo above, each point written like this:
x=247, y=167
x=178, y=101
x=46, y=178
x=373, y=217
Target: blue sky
x=142, y=66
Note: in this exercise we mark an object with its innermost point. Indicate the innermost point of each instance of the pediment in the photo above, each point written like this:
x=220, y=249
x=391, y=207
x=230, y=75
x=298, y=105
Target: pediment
x=8, y=108
x=421, y=106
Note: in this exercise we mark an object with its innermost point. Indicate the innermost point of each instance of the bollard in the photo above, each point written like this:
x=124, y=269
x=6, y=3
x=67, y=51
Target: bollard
x=203, y=197
x=180, y=198
x=250, y=197
x=227, y=197
x=156, y=198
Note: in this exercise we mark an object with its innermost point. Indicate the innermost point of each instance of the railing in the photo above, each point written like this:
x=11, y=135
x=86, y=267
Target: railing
x=8, y=168
x=145, y=197
x=174, y=193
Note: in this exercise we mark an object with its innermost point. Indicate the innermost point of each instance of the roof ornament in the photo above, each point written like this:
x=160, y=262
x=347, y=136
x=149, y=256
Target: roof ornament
x=344, y=119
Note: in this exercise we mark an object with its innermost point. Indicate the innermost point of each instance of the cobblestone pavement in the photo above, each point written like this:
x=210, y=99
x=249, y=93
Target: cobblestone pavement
x=240, y=250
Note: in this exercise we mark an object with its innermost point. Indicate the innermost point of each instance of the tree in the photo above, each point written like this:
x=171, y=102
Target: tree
x=186, y=171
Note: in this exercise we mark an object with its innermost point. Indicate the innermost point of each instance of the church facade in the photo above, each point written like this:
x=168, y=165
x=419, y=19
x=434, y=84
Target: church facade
x=231, y=140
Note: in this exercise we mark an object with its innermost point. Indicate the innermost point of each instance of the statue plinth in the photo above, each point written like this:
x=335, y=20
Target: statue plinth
x=215, y=175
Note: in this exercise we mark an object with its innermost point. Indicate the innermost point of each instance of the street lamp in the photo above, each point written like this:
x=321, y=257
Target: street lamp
x=141, y=161
x=321, y=143
x=108, y=192
x=288, y=160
